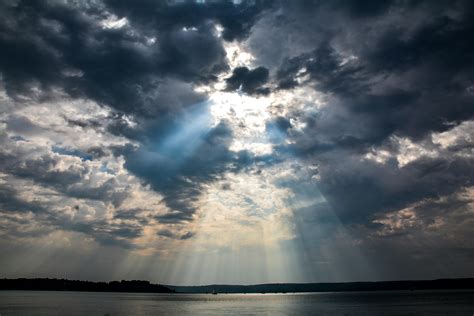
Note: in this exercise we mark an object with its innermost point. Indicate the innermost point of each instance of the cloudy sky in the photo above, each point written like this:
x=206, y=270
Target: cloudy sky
x=194, y=142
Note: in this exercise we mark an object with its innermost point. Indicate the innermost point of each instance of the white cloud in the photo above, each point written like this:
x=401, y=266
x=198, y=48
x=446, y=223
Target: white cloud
x=113, y=22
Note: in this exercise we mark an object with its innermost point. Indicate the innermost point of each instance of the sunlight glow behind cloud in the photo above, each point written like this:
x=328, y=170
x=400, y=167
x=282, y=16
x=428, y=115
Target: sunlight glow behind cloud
x=236, y=141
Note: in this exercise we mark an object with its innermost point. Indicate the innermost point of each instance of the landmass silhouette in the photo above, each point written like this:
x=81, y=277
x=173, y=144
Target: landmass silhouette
x=45, y=284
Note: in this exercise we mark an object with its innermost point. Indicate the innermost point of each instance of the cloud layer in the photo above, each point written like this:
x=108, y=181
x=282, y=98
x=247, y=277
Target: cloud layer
x=315, y=132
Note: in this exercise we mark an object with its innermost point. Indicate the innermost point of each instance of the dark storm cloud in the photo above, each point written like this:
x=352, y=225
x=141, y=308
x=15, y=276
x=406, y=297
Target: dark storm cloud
x=363, y=9
x=359, y=190
x=250, y=81
x=381, y=74
x=425, y=81
x=144, y=68
x=324, y=67
x=236, y=19
x=386, y=71
x=180, y=170
x=354, y=9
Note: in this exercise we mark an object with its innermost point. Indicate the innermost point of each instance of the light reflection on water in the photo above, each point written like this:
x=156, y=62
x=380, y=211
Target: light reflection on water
x=357, y=303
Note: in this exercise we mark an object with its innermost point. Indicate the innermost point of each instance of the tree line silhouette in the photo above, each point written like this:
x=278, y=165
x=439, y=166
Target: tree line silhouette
x=45, y=284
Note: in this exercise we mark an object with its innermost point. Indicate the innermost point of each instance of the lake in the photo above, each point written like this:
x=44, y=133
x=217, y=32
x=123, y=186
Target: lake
x=343, y=303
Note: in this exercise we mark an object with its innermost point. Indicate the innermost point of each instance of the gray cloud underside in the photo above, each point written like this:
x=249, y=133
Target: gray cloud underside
x=395, y=70
x=146, y=70
x=383, y=75
x=386, y=70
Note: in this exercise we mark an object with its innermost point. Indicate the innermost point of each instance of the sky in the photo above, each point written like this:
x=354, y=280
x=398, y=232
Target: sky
x=242, y=142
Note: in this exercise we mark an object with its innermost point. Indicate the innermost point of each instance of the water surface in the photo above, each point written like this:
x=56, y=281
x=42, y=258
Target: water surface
x=344, y=303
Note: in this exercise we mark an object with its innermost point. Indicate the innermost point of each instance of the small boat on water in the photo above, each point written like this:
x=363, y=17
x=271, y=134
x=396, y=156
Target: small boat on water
x=214, y=292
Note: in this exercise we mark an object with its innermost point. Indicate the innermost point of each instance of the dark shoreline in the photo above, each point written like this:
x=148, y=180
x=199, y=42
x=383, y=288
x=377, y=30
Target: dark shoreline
x=409, y=285
x=136, y=286
x=45, y=284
